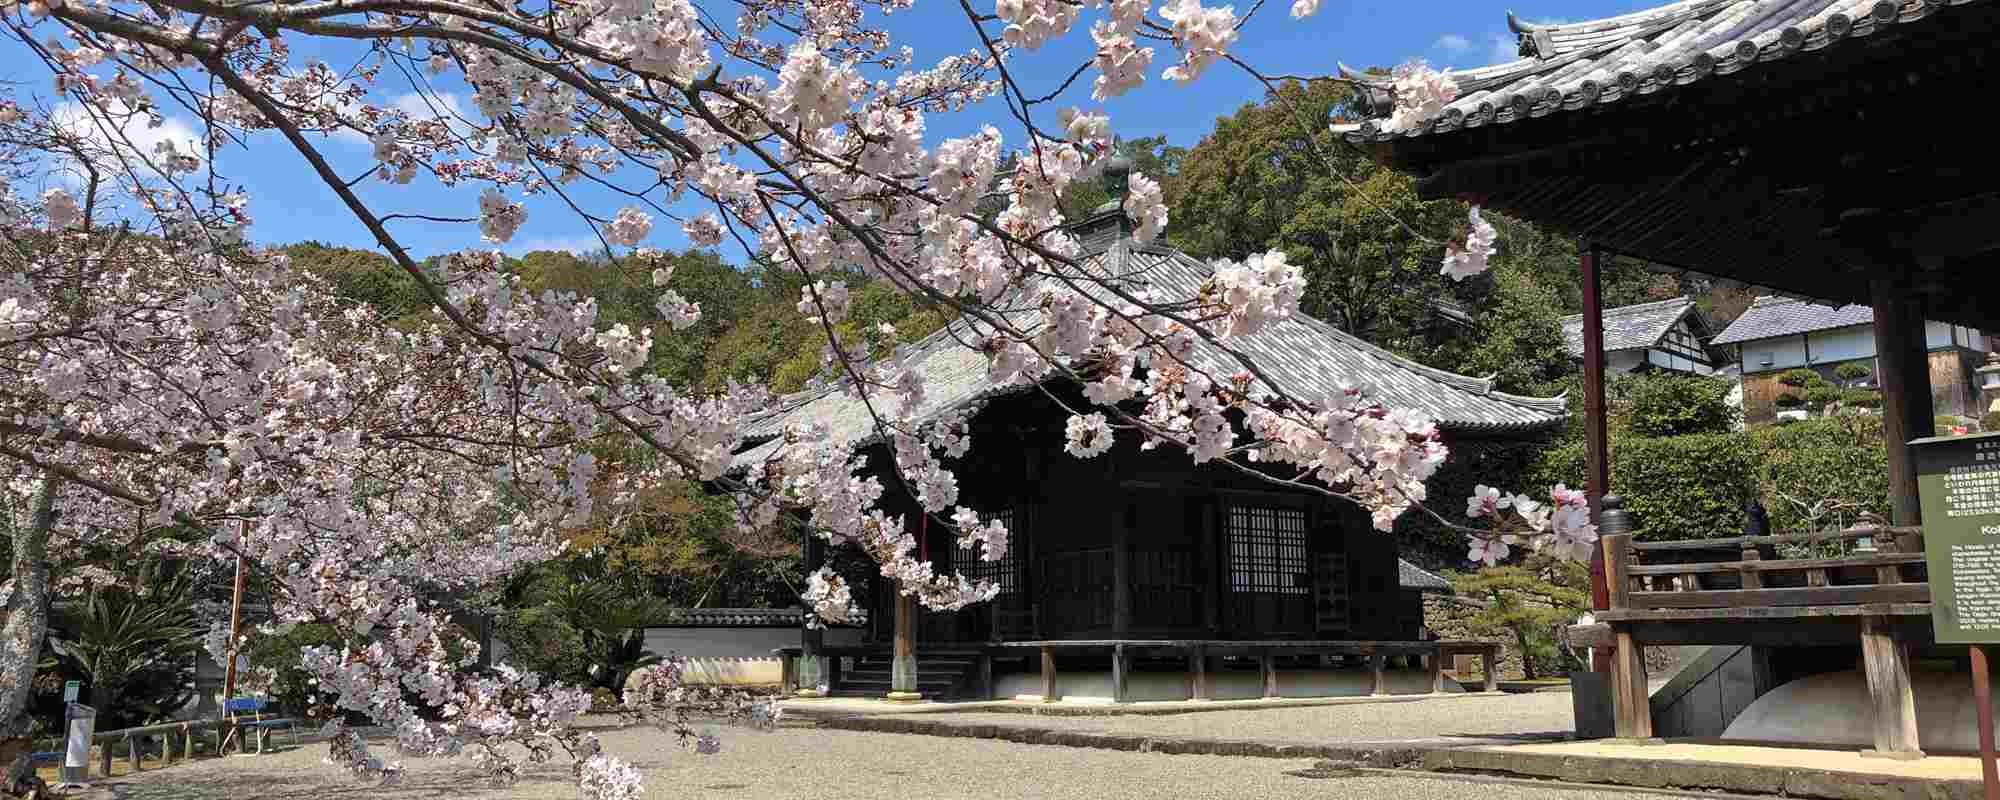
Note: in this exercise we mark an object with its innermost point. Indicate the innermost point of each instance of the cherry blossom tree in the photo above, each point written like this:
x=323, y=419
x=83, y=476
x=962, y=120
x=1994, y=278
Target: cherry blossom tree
x=160, y=364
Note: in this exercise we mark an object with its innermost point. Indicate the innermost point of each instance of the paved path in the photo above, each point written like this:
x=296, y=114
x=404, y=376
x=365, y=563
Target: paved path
x=1428, y=718
x=800, y=762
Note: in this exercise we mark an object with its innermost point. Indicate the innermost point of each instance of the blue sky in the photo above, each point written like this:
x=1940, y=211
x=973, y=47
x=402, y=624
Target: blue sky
x=290, y=204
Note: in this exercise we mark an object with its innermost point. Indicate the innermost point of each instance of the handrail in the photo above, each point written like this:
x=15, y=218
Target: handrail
x=1858, y=532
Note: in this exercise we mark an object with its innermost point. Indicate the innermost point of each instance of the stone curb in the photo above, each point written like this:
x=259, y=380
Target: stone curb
x=1644, y=773
x=1368, y=755
x=1682, y=774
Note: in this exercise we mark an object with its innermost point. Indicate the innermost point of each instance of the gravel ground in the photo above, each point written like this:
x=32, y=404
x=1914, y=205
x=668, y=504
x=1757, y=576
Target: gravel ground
x=800, y=762
x=1427, y=718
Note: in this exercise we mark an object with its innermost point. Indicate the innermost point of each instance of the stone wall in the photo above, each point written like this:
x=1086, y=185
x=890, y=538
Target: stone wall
x=1446, y=617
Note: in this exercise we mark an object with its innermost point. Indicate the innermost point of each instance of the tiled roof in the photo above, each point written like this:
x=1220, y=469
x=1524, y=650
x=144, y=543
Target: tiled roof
x=743, y=618
x=1411, y=576
x=1629, y=327
x=1770, y=317
x=1600, y=62
x=1307, y=358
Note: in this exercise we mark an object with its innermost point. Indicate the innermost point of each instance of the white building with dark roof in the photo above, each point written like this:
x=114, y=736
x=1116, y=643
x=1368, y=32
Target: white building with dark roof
x=1778, y=334
x=1665, y=335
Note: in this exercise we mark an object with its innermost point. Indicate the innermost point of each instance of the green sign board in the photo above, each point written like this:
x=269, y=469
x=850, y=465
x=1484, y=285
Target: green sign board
x=1958, y=481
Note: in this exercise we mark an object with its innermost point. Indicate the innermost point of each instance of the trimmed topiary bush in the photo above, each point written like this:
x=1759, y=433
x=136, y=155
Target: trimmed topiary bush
x=1673, y=405
x=1821, y=459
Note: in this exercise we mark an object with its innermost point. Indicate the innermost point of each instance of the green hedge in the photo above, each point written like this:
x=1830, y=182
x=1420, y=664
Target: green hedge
x=1694, y=487
x=1817, y=459
x=1677, y=487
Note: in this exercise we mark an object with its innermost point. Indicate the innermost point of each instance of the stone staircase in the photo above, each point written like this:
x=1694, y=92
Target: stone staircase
x=941, y=675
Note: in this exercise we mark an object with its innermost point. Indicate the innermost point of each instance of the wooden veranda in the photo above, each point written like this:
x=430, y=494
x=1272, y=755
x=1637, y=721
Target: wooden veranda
x=1768, y=143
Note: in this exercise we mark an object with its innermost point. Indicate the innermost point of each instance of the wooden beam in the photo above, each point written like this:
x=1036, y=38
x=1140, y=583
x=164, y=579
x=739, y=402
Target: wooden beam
x=1792, y=596
x=1905, y=377
x=1887, y=663
x=1631, y=708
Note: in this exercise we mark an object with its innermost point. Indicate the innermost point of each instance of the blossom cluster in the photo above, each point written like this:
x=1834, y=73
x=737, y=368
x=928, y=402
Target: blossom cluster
x=1562, y=528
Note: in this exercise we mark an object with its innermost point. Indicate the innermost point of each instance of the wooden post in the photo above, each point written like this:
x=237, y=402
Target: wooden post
x=1377, y=666
x=1982, y=699
x=1597, y=443
x=1752, y=579
x=986, y=676
x=1489, y=663
x=811, y=672
x=133, y=747
x=903, y=664
x=104, y=753
x=187, y=747
x=1204, y=684
x=1437, y=671
x=1121, y=574
x=1888, y=667
x=1119, y=666
x=235, y=619
x=1632, y=714
x=1270, y=669
x=1049, y=675
x=1905, y=377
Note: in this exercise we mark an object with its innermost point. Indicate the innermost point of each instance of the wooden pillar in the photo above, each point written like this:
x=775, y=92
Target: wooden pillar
x=1489, y=663
x=1120, y=666
x=1887, y=663
x=811, y=673
x=1213, y=587
x=1631, y=707
x=986, y=690
x=1376, y=665
x=1596, y=437
x=1121, y=573
x=1597, y=442
x=1204, y=684
x=903, y=664
x=1905, y=376
x=1049, y=675
x=1270, y=669
x=1436, y=668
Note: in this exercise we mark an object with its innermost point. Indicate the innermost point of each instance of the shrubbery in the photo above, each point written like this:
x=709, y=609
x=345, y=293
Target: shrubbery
x=1669, y=405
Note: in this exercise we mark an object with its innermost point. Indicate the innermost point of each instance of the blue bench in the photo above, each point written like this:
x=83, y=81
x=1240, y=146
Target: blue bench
x=257, y=727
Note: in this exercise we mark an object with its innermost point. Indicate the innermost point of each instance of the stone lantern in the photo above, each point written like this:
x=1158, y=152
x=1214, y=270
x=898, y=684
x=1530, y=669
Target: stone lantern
x=1989, y=383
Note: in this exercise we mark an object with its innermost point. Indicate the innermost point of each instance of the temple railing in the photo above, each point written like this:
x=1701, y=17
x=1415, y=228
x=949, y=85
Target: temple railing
x=1685, y=579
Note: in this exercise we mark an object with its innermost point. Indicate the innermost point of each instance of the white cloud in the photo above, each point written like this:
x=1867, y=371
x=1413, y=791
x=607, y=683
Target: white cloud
x=1452, y=43
x=574, y=245
x=131, y=135
x=435, y=105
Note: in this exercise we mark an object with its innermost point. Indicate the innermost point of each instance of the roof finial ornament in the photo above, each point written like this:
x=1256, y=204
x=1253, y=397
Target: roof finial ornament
x=1117, y=176
x=1535, y=41
x=1373, y=92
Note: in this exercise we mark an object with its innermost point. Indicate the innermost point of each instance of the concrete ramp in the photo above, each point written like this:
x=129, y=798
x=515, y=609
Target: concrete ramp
x=1833, y=708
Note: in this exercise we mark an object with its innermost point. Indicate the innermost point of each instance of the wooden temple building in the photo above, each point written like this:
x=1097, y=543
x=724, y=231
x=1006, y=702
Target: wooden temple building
x=1142, y=559
x=1784, y=144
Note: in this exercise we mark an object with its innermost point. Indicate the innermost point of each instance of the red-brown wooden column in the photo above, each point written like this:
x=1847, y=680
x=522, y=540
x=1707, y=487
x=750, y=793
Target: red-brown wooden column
x=1597, y=442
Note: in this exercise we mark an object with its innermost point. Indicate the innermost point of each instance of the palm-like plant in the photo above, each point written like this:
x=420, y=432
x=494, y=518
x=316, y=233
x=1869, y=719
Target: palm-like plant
x=118, y=637
x=610, y=622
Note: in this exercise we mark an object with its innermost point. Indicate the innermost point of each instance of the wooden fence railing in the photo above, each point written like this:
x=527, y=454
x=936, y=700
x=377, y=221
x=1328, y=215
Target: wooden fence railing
x=1686, y=579
x=1715, y=591
x=133, y=742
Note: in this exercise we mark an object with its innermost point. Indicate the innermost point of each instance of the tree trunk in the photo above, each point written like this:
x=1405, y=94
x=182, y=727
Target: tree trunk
x=1527, y=663
x=27, y=622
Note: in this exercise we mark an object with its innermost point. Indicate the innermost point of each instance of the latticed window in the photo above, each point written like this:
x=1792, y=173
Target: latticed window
x=1001, y=572
x=1267, y=550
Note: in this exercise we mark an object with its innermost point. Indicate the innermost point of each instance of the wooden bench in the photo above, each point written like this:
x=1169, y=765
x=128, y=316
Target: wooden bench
x=1733, y=591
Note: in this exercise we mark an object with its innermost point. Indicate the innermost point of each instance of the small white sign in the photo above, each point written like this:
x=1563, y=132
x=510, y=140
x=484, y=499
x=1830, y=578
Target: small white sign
x=70, y=690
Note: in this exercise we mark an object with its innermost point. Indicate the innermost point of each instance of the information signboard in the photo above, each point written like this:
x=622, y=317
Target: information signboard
x=1958, y=482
